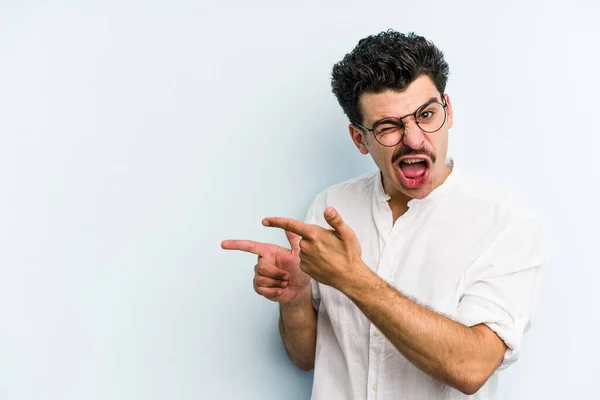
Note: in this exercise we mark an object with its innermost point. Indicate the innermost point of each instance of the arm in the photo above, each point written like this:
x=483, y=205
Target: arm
x=463, y=356
x=459, y=356
x=298, y=330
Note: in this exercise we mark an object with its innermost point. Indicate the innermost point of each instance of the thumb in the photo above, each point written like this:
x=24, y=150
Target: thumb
x=334, y=219
x=294, y=240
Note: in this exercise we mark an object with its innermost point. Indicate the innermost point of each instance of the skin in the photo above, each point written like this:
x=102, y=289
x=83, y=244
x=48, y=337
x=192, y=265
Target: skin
x=460, y=356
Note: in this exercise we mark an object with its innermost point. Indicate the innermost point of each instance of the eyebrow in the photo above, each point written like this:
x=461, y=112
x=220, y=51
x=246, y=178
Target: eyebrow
x=431, y=99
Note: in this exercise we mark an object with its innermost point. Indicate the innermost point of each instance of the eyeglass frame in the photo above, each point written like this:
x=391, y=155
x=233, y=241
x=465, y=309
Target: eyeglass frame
x=414, y=115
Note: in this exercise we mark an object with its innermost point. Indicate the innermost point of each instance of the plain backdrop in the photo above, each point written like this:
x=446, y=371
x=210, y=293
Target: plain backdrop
x=135, y=136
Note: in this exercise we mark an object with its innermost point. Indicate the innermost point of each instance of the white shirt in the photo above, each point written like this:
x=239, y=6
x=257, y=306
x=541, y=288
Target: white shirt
x=464, y=251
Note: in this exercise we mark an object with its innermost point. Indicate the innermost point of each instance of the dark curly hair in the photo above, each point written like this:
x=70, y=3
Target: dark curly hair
x=388, y=60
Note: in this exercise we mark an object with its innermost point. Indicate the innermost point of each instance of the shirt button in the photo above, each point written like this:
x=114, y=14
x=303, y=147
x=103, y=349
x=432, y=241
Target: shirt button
x=377, y=332
x=374, y=387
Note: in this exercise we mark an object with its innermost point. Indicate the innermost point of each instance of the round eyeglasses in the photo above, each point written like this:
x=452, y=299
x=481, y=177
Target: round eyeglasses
x=430, y=118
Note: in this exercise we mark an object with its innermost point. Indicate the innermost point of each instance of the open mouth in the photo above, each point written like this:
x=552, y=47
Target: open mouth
x=413, y=171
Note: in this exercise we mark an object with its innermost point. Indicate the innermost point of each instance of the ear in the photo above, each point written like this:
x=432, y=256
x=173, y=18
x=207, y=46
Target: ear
x=449, y=112
x=359, y=138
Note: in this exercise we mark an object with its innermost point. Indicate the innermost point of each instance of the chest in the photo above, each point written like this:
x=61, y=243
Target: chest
x=425, y=258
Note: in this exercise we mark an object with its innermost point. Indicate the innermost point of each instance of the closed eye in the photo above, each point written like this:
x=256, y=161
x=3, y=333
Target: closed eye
x=387, y=127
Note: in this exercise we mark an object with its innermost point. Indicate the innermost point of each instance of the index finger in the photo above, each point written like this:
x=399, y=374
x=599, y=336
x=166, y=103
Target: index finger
x=290, y=225
x=250, y=246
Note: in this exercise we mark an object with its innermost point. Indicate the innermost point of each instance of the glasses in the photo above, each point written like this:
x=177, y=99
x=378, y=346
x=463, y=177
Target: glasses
x=430, y=118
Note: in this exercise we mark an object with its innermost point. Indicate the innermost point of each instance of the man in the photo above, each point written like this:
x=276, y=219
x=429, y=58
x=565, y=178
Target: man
x=411, y=282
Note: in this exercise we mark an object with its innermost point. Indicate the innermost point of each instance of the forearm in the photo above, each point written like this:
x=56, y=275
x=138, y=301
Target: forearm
x=298, y=329
x=443, y=348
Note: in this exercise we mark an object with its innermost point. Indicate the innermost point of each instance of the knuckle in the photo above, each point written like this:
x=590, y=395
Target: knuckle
x=266, y=293
x=267, y=282
x=309, y=234
x=264, y=264
x=320, y=246
x=288, y=225
x=260, y=280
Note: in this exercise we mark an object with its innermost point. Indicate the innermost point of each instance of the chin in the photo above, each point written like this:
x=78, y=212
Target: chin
x=418, y=193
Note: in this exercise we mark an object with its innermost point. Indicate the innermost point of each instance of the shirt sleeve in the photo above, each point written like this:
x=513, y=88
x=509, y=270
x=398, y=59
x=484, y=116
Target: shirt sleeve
x=502, y=286
x=313, y=216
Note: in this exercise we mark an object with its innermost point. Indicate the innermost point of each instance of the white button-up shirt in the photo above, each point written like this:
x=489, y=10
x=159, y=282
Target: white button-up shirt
x=465, y=251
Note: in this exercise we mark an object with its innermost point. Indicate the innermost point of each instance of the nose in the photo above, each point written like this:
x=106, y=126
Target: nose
x=413, y=135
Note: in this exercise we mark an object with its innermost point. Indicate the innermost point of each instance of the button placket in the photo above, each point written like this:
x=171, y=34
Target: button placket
x=373, y=362
x=376, y=349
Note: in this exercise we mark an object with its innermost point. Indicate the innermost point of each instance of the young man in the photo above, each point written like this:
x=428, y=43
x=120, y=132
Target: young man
x=411, y=282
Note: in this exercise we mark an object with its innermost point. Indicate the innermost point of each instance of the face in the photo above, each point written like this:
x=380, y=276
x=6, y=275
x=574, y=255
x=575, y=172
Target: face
x=416, y=165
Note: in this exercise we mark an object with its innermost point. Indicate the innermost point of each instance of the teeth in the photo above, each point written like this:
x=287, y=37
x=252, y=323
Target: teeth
x=412, y=160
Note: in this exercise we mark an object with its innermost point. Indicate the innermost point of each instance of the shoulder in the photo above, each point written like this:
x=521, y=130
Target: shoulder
x=358, y=187
x=508, y=229
x=480, y=195
x=488, y=213
x=357, y=191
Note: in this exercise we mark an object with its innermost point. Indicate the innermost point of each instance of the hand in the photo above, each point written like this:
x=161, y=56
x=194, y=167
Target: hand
x=328, y=256
x=277, y=275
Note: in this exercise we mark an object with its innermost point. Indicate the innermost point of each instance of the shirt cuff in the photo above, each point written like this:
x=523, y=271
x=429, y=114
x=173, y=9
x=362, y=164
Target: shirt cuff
x=474, y=310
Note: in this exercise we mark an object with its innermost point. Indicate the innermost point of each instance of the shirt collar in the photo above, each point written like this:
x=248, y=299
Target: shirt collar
x=380, y=195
